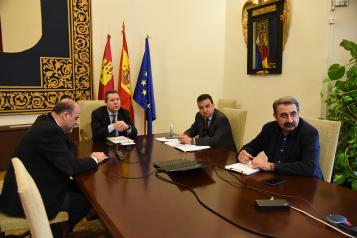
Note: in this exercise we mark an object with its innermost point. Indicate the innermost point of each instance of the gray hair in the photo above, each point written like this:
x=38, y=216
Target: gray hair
x=286, y=101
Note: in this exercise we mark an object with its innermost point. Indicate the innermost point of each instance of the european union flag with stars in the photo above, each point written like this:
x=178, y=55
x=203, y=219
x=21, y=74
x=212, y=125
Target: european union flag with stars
x=144, y=92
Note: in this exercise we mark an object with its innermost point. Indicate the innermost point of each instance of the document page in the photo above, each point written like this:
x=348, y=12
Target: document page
x=245, y=169
x=121, y=140
x=187, y=147
x=175, y=143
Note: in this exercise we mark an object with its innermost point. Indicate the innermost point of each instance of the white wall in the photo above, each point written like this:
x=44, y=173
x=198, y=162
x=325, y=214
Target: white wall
x=186, y=46
x=344, y=28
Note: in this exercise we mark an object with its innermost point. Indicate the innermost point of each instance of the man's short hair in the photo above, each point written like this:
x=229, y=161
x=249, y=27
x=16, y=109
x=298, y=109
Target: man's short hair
x=112, y=91
x=65, y=105
x=204, y=97
x=286, y=101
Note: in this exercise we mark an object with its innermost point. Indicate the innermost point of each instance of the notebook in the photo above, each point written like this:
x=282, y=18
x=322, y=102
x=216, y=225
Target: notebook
x=245, y=169
x=177, y=165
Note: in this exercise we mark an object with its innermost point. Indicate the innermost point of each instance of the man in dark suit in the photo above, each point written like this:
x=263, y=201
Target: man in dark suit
x=211, y=126
x=112, y=120
x=50, y=158
x=291, y=144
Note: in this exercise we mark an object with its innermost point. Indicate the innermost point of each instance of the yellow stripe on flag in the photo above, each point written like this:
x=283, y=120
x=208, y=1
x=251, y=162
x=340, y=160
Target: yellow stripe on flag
x=125, y=80
x=107, y=73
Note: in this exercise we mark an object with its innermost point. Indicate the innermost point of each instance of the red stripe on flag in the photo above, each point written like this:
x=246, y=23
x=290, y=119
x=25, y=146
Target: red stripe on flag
x=106, y=81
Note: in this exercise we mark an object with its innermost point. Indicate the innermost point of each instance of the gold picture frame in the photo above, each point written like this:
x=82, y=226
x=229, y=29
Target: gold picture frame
x=265, y=30
x=54, y=73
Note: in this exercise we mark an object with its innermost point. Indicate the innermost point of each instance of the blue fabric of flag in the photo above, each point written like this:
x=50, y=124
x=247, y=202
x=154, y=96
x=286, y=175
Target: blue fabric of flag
x=144, y=92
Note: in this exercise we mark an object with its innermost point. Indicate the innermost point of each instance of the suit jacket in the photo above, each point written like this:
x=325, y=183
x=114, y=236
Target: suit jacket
x=302, y=154
x=101, y=121
x=50, y=158
x=219, y=132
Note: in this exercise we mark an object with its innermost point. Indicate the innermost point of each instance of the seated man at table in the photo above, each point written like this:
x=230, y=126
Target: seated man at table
x=112, y=120
x=290, y=143
x=211, y=126
x=50, y=158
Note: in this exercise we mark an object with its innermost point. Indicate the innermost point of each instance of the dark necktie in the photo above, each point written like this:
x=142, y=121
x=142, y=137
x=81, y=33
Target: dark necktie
x=114, y=119
x=206, y=123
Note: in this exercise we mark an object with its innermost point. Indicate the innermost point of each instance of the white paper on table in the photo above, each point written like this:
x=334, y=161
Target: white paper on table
x=121, y=140
x=188, y=147
x=164, y=139
x=245, y=169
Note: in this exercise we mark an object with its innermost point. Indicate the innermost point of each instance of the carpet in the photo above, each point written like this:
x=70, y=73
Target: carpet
x=90, y=229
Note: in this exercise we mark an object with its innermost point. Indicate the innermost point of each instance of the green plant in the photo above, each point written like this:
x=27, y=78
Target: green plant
x=341, y=101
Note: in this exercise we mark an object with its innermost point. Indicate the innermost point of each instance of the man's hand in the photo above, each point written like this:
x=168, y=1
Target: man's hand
x=100, y=156
x=244, y=157
x=185, y=139
x=120, y=126
x=262, y=164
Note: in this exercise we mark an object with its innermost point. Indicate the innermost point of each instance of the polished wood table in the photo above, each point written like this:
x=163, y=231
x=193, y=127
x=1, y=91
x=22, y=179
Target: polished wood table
x=131, y=206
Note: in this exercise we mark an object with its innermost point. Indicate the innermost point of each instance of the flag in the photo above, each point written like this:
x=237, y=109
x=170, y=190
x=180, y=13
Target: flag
x=124, y=85
x=144, y=92
x=106, y=76
x=262, y=45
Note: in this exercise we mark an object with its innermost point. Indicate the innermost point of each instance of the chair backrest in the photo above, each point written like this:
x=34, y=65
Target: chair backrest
x=31, y=201
x=87, y=107
x=226, y=103
x=328, y=133
x=237, y=119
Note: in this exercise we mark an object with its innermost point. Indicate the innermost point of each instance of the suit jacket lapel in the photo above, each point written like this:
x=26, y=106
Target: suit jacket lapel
x=212, y=122
x=105, y=114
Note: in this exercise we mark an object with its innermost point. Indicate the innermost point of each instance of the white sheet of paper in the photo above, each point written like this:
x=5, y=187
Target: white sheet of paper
x=245, y=169
x=121, y=140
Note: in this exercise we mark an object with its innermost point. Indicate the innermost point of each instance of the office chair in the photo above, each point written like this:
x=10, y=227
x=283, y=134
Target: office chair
x=328, y=133
x=36, y=218
x=87, y=107
x=226, y=103
x=237, y=119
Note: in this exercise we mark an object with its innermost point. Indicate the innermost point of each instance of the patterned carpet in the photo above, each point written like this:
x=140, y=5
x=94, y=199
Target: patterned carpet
x=84, y=229
x=89, y=229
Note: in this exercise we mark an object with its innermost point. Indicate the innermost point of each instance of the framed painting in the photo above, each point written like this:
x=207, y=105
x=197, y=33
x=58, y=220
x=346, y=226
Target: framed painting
x=265, y=38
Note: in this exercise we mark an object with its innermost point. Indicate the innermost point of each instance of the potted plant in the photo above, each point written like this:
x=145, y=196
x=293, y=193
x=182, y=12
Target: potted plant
x=341, y=102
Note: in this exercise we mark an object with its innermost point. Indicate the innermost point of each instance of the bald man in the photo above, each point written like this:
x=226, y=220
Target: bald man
x=50, y=158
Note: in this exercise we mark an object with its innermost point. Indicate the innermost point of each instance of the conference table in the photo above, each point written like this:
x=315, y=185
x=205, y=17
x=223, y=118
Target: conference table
x=133, y=202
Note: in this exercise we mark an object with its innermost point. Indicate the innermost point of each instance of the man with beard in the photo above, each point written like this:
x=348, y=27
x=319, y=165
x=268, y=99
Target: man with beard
x=290, y=143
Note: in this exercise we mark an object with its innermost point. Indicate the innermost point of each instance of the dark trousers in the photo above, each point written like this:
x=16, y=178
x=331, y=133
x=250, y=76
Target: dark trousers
x=77, y=207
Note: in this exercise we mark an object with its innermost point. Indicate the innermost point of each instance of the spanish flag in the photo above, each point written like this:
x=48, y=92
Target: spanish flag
x=124, y=85
x=106, y=76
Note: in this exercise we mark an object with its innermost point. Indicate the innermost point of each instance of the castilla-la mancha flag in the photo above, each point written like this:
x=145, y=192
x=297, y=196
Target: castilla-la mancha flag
x=106, y=76
x=124, y=84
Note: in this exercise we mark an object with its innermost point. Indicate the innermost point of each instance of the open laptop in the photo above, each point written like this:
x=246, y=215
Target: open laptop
x=177, y=165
